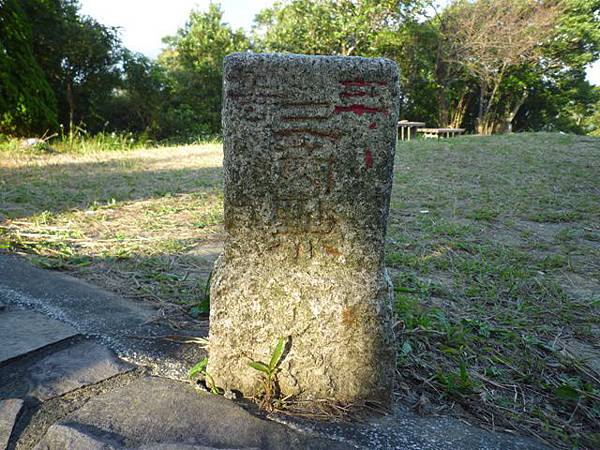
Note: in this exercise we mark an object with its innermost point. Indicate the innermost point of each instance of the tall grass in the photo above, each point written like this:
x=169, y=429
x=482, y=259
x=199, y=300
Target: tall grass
x=80, y=141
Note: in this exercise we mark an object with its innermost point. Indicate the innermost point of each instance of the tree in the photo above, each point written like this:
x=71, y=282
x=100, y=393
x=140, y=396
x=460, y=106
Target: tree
x=193, y=62
x=137, y=103
x=592, y=122
x=413, y=47
x=390, y=28
x=79, y=56
x=338, y=27
x=559, y=96
x=491, y=40
x=27, y=103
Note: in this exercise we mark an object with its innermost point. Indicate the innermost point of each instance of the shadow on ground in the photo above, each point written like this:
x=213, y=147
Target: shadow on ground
x=33, y=189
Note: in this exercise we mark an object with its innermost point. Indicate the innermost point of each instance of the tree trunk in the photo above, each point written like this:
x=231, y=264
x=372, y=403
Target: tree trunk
x=459, y=112
x=70, y=101
x=510, y=117
x=481, y=108
x=442, y=108
x=486, y=125
x=441, y=75
x=488, y=115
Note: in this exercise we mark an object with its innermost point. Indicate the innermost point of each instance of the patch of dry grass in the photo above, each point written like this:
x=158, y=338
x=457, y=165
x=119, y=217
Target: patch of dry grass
x=143, y=223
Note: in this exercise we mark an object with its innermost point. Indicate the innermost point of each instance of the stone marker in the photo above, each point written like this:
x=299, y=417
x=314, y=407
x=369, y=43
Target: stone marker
x=309, y=145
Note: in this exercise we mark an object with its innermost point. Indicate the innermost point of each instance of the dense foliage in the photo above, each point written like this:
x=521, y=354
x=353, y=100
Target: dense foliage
x=193, y=63
x=489, y=66
x=27, y=102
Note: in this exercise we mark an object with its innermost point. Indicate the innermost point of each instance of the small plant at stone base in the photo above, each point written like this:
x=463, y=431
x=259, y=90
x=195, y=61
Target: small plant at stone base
x=200, y=369
x=270, y=400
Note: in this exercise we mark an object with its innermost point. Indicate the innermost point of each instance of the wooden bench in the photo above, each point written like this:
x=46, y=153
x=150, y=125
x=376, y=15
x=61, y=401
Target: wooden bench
x=408, y=129
x=436, y=133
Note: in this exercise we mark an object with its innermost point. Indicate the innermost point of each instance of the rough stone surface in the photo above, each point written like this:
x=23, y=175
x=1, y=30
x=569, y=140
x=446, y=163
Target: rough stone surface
x=16, y=334
x=404, y=430
x=153, y=411
x=186, y=447
x=80, y=365
x=75, y=437
x=127, y=327
x=72, y=438
x=309, y=146
x=9, y=410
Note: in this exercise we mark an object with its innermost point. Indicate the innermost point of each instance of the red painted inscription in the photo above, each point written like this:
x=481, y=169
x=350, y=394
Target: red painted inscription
x=368, y=158
x=361, y=82
x=358, y=109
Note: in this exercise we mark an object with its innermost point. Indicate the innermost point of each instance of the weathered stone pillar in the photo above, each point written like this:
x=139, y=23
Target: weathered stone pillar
x=309, y=146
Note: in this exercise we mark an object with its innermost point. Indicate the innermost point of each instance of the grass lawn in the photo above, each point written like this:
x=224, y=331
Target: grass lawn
x=493, y=245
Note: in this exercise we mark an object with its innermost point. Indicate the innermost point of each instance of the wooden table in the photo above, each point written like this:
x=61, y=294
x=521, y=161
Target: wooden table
x=408, y=129
x=436, y=133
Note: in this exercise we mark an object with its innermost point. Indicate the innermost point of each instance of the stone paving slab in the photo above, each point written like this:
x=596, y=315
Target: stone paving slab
x=132, y=329
x=67, y=437
x=176, y=415
x=22, y=332
x=403, y=429
x=187, y=447
x=77, y=366
x=9, y=410
x=73, y=437
x=152, y=411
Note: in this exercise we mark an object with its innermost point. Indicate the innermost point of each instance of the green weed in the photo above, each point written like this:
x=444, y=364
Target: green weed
x=269, y=397
x=200, y=369
x=458, y=383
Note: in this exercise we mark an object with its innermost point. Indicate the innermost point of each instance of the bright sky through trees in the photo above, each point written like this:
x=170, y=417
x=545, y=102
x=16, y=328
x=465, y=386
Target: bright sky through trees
x=144, y=23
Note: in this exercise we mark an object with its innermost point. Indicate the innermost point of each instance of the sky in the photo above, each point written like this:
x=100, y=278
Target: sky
x=143, y=23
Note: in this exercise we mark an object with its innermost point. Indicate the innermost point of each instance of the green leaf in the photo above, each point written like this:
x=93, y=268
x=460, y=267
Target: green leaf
x=260, y=367
x=566, y=392
x=277, y=353
x=406, y=348
x=80, y=261
x=449, y=350
x=198, y=368
x=464, y=375
x=405, y=289
x=214, y=389
x=202, y=307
